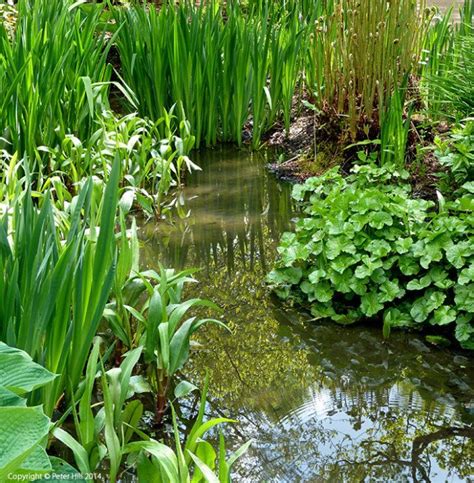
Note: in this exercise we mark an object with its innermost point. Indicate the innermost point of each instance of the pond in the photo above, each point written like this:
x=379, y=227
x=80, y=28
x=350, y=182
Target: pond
x=322, y=402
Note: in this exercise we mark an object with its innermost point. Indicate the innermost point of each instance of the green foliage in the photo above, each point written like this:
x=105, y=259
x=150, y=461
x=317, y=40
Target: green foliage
x=161, y=330
x=456, y=156
x=54, y=76
x=450, y=76
x=394, y=129
x=360, y=53
x=153, y=159
x=112, y=432
x=55, y=284
x=219, y=64
x=23, y=430
x=367, y=249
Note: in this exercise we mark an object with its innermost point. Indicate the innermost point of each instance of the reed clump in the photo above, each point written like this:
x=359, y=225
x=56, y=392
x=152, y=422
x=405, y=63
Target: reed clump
x=228, y=69
x=361, y=52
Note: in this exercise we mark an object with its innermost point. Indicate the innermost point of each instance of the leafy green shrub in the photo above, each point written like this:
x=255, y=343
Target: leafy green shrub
x=456, y=155
x=367, y=249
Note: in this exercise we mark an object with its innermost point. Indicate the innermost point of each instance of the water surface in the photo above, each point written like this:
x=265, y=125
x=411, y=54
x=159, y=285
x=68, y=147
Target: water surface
x=322, y=402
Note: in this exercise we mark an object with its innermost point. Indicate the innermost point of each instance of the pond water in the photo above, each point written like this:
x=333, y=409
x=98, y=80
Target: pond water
x=322, y=402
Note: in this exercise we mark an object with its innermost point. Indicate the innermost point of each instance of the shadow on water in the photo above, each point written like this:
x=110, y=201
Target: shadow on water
x=322, y=402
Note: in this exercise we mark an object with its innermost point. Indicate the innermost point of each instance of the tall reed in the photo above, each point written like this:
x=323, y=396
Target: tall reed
x=448, y=76
x=361, y=52
x=54, y=283
x=223, y=66
x=53, y=75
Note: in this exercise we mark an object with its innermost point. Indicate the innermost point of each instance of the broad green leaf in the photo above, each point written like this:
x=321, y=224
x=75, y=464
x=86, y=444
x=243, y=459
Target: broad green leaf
x=380, y=219
x=464, y=297
x=419, y=284
x=370, y=304
x=19, y=373
x=423, y=306
x=9, y=398
x=165, y=457
x=22, y=430
x=184, y=388
x=444, y=315
x=61, y=471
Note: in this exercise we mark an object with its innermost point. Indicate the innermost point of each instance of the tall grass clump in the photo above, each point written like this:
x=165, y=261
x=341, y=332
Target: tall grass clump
x=56, y=279
x=53, y=75
x=224, y=67
x=449, y=83
x=360, y=53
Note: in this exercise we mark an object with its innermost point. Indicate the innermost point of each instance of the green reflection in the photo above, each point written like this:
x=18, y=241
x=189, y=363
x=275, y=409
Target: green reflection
x=323, y=402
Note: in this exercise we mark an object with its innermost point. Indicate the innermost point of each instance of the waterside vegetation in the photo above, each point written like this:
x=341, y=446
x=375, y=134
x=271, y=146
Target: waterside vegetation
x=101, y=106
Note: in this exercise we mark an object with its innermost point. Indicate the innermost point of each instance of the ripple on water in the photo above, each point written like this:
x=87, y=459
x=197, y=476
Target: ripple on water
x=322, y=402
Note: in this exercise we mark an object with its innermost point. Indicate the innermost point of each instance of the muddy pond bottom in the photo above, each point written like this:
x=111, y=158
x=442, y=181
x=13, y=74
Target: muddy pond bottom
x=320, y=401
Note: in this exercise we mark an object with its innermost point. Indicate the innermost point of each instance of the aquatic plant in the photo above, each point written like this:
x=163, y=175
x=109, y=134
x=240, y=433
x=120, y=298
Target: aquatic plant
x=153, y=158
x=394, y=129
x=367, y=249
x=451, y=89
x=360, y=53
x=221, y=65
x=55, y=284
x=113, y=432
x=163, y=333
x=54, y=76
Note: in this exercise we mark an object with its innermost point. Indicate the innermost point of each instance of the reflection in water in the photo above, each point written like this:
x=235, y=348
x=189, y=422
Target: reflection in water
x=322, y=402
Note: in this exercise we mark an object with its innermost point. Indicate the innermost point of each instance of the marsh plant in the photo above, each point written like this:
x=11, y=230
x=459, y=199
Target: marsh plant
x=360, y=53
x=366, y=249
x=54, y=76
x=222, y=66
x=56, y=283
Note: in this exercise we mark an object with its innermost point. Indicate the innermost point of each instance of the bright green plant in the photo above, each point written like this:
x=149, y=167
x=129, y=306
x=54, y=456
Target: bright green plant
x=108, y=431
x=23, y=430
x=394, y=130
x=150, y=163
x=447, y=72
x=54, y=76
x=222, y=65
x=456, y=156
x=164, y=334
x=55, y=284
x=103, y=434
x=209, y=466
x=366, y=249
x=451, y=91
